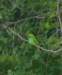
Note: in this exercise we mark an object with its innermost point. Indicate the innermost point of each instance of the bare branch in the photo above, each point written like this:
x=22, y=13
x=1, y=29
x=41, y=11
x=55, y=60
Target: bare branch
x=23, y=39
x=58, y=13
x=18, y=35
x=37, y=46
x=22, y=20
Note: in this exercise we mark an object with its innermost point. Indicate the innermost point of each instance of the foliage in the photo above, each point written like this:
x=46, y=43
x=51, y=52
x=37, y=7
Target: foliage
x=37, y=21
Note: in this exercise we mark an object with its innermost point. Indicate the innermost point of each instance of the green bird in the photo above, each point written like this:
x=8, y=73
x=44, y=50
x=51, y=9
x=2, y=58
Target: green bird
x=32, y=39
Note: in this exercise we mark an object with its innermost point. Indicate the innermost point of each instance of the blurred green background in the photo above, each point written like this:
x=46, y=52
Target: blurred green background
x=37, y=21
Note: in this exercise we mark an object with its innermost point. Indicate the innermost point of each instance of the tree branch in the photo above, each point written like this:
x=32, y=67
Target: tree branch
x=23, y=39
x=58, y=13
x=22, y=20
x=37, y=46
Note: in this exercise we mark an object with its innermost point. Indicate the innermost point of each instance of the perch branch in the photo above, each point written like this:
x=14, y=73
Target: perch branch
x=37, y=46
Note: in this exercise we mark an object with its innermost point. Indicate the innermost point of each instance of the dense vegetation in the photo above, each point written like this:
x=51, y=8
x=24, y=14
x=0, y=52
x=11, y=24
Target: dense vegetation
x=30, y=37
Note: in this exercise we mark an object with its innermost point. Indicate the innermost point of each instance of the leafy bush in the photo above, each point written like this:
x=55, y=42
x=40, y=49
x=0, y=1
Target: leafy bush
x=30, y=37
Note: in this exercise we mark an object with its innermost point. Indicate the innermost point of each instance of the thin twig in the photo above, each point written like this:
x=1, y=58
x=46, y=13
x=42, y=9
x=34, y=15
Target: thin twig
x=22, y=20
x=23, y=39
x=18, y=35
x=58, y=13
